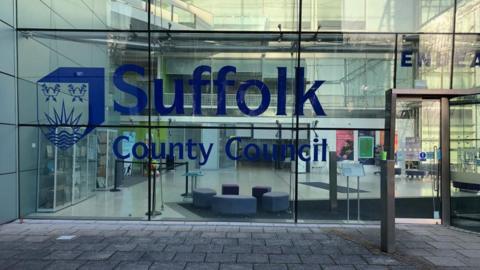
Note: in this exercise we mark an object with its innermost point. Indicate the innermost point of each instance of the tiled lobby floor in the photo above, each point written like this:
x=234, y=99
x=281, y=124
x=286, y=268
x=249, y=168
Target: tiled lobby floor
x=35, y=244
x=132, y=201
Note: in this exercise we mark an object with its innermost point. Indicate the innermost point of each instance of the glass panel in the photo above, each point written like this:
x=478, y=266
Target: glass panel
x=85, y=14
x=245, y=15
x=84, y=180
x=465, y=161
x=83, y=72
x=466, y=72
x=417, y=146
x=378, y=16
x=354, y=195
x=424, y=61
x=468, y=12
x=198, y=171
x=232, y=77
x=356, y=70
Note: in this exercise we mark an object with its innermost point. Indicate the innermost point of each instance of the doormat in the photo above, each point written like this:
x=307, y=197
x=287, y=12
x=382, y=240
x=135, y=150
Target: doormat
x=340, y=189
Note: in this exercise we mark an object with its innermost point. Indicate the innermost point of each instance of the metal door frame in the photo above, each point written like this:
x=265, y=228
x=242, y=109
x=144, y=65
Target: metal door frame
x=388, y=203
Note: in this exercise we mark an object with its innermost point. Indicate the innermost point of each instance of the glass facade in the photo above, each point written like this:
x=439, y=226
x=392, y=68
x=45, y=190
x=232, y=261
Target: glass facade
x=126, y=106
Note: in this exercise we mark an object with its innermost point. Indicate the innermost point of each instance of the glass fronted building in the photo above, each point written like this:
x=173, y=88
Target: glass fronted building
x=110, y=107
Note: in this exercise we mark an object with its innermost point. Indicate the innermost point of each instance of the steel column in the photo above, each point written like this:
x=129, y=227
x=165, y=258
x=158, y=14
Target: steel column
x=332, y=172
x=387, y=198
x=445, y=159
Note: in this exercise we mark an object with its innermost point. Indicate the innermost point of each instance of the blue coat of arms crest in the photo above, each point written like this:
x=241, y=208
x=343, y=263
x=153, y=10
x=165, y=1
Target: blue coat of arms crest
x=70, y=104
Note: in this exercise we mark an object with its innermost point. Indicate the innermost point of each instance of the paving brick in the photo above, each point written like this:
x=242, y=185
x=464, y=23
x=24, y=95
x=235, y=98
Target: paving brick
x=267, y=250
x=150, y=247
x=444, y=261
x=189, y=257
x=338, y=267
x=127, y=255
x=167, y=266
x=92, y=247
x=295, y=250
x=64, y=255
x=270, y=267
x=251, y=242
x=284, y=258
x=304, y=267
x=237, y=249
x=158, y=256
x=320, y=259
x=121, y=247
x=278, y=242
x=243, y=235
x=31, y=264
x=179, y=248
x=471, y=253
x=221, y=258
x=7, y=254
x=264, y=236
x=348, y=259
x=252, y=258
x=380, y=260
x=202, y=266
x=95, y=255
x=5, y=264
x=61, y=265
x=208, y=248
x=238, y=266
x=225, y=241
x=32, y=254
x=138, y=265
x=99, y=265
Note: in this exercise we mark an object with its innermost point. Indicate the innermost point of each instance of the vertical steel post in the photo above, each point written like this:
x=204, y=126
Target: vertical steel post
x=332, y=173
x=387, y=199
x=445, y=159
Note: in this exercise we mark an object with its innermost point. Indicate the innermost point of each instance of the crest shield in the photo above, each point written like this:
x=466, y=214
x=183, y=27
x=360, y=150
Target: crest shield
x=70, y=104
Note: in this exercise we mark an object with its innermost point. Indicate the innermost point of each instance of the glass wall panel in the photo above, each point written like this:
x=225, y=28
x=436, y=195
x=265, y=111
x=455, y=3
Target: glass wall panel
x=85, y=14
x=356, y=70
x=99, y=75
x=217, y=15
x=84, y=180
x=424, y=61
x=354, y=195
x=468, y=12
x=465, y=162
x=234, y=77
x=378, y=15
x=466, y=70
x=226, y=160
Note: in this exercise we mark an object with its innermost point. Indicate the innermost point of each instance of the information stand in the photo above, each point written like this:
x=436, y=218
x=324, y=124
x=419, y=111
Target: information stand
x=354, y=170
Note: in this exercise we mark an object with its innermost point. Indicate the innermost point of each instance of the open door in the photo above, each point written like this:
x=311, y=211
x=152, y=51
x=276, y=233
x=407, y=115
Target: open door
x=465, y=161
x=417, y=138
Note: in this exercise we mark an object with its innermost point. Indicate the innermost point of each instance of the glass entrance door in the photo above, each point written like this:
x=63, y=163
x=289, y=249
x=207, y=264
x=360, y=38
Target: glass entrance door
x=417, y=155
x=465, y=161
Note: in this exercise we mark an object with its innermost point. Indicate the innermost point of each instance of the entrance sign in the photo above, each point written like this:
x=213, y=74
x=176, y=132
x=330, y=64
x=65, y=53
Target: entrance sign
x=71, y=97
x=353, y=169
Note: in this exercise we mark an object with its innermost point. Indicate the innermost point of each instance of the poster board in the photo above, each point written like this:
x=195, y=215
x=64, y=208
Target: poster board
x=366, y=147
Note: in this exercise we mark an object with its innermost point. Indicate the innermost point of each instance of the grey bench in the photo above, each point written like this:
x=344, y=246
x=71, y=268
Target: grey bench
x=234, y=204
x=202, y=197
x=275, y=201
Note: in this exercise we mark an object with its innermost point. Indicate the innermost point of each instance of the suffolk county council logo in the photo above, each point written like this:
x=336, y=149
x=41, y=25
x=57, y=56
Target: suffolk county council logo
x=70, y=104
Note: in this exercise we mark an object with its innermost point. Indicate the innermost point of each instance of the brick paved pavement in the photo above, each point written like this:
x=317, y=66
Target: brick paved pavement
x=182, y=246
